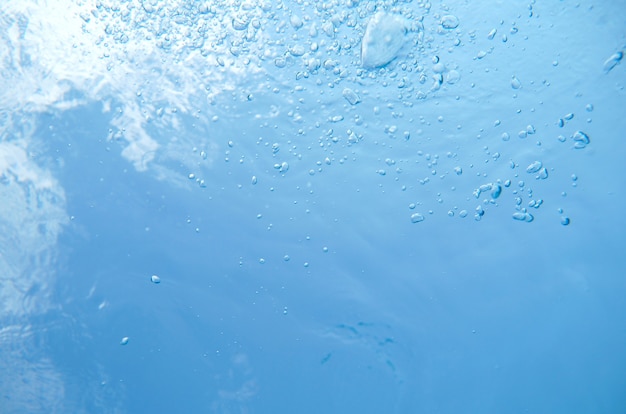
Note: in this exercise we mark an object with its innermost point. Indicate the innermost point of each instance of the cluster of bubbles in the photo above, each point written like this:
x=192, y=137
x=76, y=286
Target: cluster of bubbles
x=381, y=55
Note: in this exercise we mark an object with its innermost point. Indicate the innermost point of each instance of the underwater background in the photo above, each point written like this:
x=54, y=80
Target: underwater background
x=312, y=206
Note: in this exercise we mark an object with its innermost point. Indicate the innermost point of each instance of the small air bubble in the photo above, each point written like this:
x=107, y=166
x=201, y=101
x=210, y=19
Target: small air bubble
x=296, y=21
x=351, y=96
x=416, y=218
x=453, y=77
x=449, y=22
x=581, y=139
x=515, y=83
x=534, y=167
x=522, y=216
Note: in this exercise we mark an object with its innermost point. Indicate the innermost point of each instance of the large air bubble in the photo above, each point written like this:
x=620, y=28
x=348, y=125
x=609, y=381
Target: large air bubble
x=384, y=37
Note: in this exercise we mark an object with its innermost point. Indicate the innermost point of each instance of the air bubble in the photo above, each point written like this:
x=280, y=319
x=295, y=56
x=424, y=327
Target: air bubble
x=384, y=37
x=439, y=68
x=581, y=139
x=453, y=77
x=449, y=21
x=297, y=50
x=416, y=218
x=351, y=96
x=496, y=191
x=523, y=216
x=296, y=21
x=240, y=22
x=479, y=212
x=482, y=189
x=534, y=167
x=515, y=83
x=612, y=61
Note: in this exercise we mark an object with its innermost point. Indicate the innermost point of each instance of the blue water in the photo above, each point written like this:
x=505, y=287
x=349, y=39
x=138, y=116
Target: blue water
x=307, y=207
